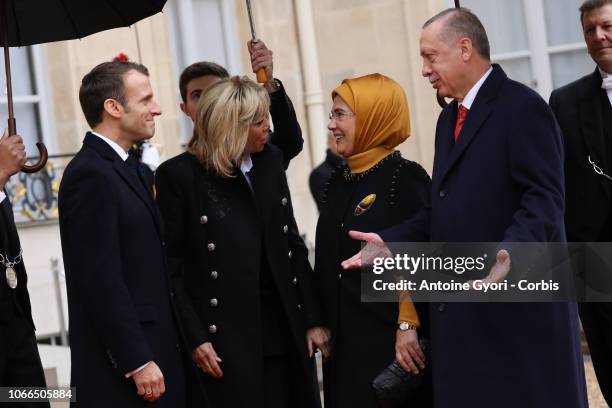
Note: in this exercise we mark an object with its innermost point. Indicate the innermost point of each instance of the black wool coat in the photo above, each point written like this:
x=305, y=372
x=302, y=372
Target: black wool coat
x=119, y=296
x=363, y=334
x=216, y=231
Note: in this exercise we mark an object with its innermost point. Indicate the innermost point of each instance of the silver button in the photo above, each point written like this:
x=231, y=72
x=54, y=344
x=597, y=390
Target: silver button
x=212, y=329
x=214, y=274
x=290, y=254
x=214, y=302
x=211, y=247
x=339, y=276
x=285, y=229
x=203, y=219
x=299, y=307
x=441, y=307
x=295, y=280
x=284, y=201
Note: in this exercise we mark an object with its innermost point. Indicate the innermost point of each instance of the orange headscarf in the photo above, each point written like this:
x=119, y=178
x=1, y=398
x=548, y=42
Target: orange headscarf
x=381, y=114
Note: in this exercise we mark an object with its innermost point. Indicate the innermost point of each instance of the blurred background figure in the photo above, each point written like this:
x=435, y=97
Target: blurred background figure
x=320, y=174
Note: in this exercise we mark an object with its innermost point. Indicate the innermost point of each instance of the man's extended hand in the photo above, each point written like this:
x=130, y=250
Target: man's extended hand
x=12, y=156
x=261, y=57
x=150, y=382
x=374, y=248
x=318, y=337
x=207, y=360
x=501, y=269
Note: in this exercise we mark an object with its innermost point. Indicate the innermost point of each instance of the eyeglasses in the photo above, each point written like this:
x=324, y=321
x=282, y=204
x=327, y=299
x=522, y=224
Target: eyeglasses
x=340, y=115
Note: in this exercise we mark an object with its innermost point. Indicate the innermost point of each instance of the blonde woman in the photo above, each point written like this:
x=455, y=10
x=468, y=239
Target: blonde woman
x=240, y=269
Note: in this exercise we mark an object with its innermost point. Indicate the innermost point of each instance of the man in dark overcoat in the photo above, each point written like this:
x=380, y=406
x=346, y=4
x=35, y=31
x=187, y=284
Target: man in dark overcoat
x=20, y=364
x=584, y=111
x=497, y=177
x=123, y=333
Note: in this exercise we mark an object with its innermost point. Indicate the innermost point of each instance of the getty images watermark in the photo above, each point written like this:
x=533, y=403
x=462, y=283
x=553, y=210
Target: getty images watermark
x=488, y=272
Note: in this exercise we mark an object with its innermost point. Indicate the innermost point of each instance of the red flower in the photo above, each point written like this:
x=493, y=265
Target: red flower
x=121, y=58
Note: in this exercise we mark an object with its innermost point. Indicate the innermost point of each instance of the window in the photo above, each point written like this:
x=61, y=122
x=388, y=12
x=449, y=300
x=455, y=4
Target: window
x=29, y=99
x=537, y=42
x=203, y=30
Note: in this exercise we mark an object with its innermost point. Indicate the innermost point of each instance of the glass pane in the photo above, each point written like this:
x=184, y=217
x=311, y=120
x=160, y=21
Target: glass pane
x=28, y=126
x=568, y=66
x=208, y=24
x=504, y=21
x=563, y=21
x=20, y=68
x=519, y=70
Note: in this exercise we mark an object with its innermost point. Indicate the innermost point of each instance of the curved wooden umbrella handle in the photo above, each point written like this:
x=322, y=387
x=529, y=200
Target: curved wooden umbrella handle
x=42, y=162
x=42, y=150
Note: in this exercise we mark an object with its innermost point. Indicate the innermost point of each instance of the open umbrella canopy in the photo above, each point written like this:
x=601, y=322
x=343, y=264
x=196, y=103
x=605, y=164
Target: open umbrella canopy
x=28, y=22
x=40, y=21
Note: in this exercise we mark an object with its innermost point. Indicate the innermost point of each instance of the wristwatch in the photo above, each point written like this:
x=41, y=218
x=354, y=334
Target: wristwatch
x=403, y=326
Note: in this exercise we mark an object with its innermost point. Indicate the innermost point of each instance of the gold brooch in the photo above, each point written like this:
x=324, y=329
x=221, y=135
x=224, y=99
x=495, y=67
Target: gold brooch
x=365, y=204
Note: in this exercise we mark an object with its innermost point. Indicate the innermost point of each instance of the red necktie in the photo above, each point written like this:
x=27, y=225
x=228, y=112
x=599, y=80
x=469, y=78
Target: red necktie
x=461, y=115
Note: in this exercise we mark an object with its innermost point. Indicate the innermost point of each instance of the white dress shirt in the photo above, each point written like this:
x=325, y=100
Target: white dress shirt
x=607, y=78
x=122, y=153
x=245, y=166
x=471, y=95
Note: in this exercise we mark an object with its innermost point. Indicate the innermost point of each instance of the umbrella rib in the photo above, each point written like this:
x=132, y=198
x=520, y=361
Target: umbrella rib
x=112, y=6
x=17, y=29
x=74, y=26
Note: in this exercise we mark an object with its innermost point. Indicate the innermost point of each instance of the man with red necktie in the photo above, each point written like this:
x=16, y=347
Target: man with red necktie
x=497, y=177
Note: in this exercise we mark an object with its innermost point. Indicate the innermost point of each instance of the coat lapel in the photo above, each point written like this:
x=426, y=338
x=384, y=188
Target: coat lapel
x=591, y=127
x=478, y=115
x=13, y=237
x=125, y=173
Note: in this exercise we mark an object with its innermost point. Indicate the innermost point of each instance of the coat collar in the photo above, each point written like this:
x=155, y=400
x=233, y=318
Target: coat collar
x=591, y=120
x=591, y=125
x=131, y=179
x=450, y=152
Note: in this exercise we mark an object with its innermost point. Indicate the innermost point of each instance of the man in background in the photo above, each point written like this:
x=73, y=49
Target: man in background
x=20, y=364
x=197, y=77
x=584, y=112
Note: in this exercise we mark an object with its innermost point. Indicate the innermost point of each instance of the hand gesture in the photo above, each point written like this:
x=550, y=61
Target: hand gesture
x=408, y=351
x=318, y=337
x=12, y=156
x=500, y=270
x=150, y=382
x=261, y=57
x=207, y=360
x=375, y=248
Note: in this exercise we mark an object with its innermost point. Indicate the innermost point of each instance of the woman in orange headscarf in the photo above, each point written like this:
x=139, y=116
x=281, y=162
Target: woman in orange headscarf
x=377, y=189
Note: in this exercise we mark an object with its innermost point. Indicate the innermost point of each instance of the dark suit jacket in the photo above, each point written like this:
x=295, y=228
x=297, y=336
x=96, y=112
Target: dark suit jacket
x=217, y=232
x=18, y=297
x=119, y=300
x=578, y=109
x=501, y=182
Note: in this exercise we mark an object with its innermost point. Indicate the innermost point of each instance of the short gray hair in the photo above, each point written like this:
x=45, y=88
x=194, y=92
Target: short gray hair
x=461, y=22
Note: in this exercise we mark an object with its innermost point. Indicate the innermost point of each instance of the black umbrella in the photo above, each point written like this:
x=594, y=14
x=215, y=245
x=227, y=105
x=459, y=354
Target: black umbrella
x=28, y=22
